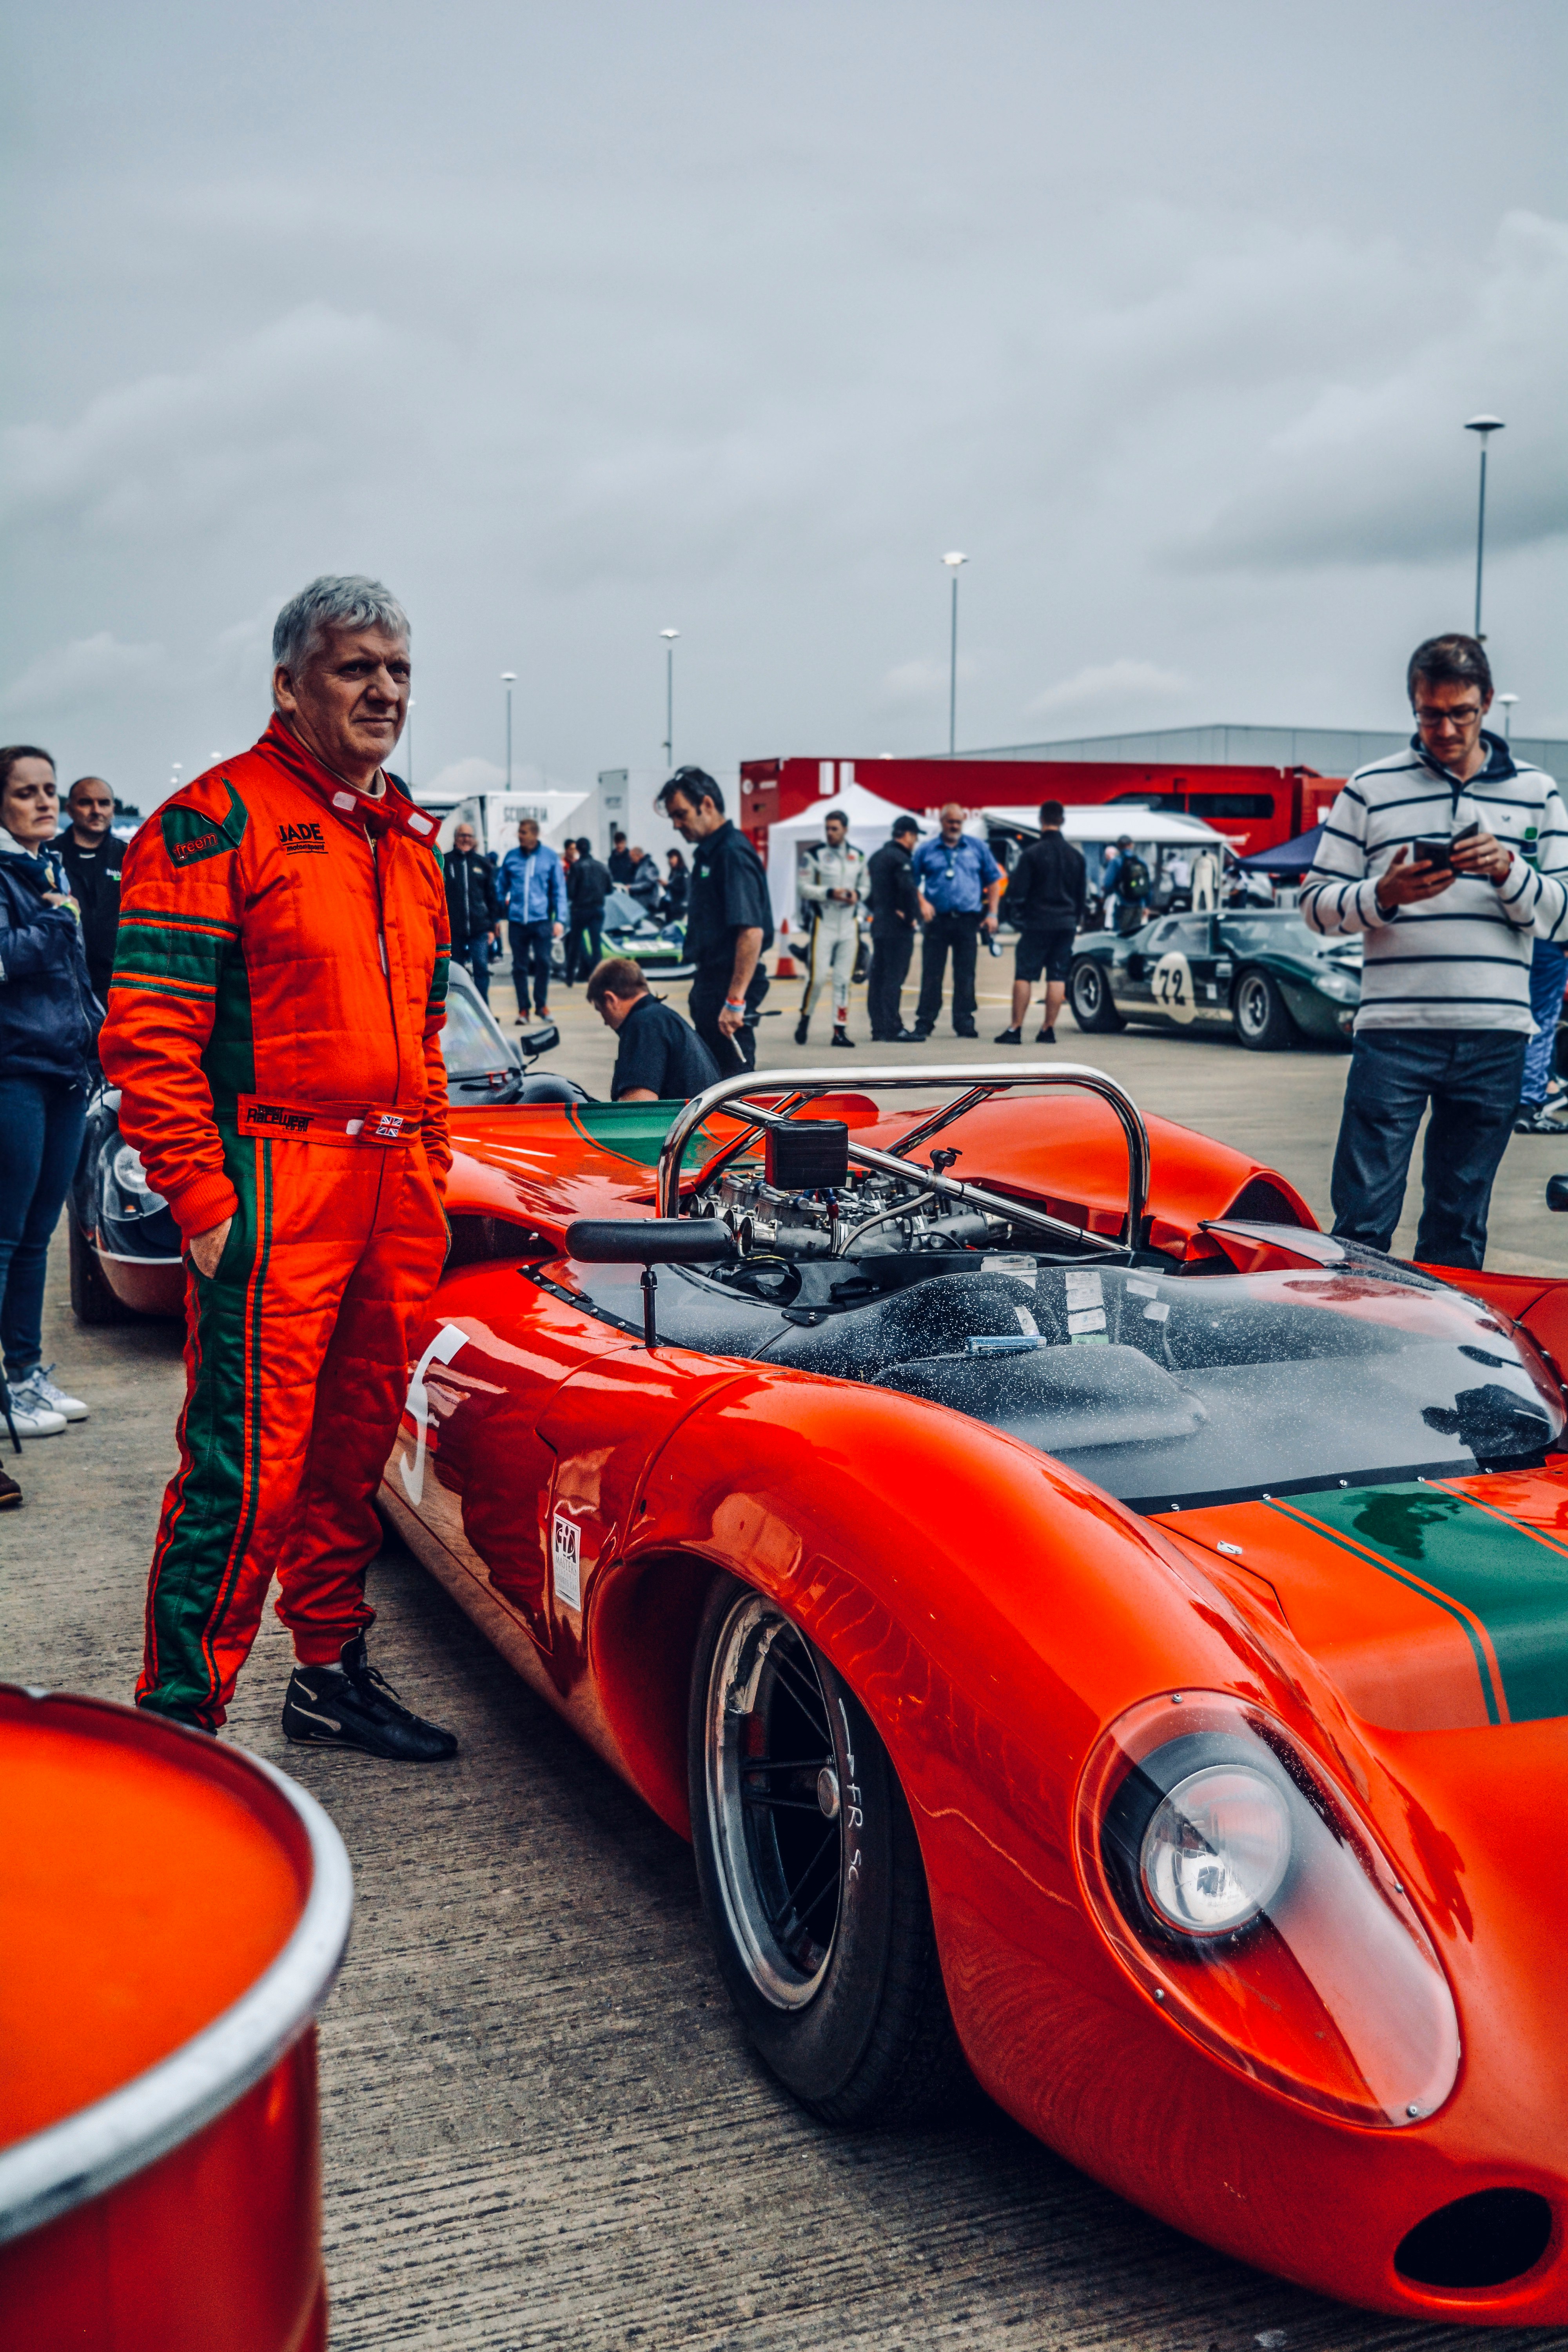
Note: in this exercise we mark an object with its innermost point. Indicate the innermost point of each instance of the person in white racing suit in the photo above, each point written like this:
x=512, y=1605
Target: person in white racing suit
x=834, y=883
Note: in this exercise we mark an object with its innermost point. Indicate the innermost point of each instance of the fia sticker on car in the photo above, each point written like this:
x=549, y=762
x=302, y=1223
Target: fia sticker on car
x=1156, y=1311
x=565, y=1551
x=1141, y=1289
x=1086, y=1309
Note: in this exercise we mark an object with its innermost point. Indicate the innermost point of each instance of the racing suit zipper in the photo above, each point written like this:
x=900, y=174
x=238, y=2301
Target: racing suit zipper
x=385, y=964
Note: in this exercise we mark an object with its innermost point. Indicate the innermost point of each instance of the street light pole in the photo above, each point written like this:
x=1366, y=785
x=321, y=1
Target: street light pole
x=508, y=679
x=953, y=561
x=1508, y=702
x=1483, y=427
x=669, y=636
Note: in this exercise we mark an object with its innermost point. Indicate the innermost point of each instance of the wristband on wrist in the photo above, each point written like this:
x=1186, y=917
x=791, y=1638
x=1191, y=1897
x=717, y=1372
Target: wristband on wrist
x=734, y=1004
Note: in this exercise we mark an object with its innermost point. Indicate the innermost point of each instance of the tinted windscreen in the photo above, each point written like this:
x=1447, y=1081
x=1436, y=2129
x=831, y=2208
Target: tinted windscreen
x=469, y=1038
x=1162, y=1389
x=1179, y=1390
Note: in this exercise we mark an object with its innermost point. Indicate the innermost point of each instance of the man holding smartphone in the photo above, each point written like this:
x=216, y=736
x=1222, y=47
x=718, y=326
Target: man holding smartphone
x=1450, y=858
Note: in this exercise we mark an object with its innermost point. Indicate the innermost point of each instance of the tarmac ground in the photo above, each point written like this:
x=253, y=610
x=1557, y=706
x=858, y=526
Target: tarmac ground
x=541, y=2125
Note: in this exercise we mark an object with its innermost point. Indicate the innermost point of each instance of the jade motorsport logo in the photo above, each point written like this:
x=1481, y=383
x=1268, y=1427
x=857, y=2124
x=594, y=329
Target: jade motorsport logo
x=1172, y=983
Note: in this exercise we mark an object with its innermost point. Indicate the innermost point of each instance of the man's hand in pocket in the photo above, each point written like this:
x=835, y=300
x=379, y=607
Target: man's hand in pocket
x=208, y=1248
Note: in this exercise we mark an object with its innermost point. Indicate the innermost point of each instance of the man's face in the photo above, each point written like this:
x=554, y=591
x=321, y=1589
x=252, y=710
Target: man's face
x=528, y=837
x=90, y=807
x=463, y=840
x=692, y=820
x=613, y=1010
x=952, y=822
x=349, y=699
x=1448, y=717
x=837, y=832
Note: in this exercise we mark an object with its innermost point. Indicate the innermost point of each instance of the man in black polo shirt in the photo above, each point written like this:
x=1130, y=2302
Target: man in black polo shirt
x=90, y=855
x=729, y=923
x=660, y=1058
x=1046, y=893
x=895, y=919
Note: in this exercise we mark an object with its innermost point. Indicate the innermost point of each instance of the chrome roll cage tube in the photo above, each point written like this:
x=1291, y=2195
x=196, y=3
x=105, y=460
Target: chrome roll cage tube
x=976, y=1085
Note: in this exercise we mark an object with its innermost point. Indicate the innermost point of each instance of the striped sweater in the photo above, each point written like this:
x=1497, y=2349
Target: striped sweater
x=1461, y=959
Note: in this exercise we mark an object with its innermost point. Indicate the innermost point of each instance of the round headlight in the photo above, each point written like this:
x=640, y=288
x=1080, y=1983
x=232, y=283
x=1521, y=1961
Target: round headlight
x=128, y=1172
x=1216, y=1850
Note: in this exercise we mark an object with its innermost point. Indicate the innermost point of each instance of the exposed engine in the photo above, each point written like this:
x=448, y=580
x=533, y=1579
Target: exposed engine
x=864, y=1216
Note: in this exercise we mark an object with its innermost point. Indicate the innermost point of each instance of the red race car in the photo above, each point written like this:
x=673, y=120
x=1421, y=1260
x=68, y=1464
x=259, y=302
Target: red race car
x=1096, y=1631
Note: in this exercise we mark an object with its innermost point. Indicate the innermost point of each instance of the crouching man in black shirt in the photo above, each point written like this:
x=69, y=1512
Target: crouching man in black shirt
x=660, y=1059
x=728, y=922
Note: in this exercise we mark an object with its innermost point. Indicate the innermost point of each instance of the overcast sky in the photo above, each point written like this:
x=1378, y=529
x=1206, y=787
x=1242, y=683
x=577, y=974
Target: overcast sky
x=572, y=323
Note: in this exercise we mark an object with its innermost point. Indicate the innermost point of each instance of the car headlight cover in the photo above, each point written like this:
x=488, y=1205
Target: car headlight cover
x=1216, y=1850
x=1241, y=1886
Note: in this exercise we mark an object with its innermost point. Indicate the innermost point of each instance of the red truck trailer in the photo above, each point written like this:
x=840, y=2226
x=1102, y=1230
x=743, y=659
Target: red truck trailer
x=1254, y=808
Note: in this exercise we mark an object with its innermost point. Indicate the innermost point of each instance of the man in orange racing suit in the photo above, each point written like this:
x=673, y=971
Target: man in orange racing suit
x=274, y=1019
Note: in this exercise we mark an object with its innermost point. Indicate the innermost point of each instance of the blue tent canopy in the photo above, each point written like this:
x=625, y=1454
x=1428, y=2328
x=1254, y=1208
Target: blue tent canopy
x=1287, y=856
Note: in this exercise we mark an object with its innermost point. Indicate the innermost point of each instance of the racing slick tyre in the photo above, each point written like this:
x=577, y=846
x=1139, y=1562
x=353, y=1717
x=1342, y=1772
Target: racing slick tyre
x=92, y=1301
x=1090, y=995
x=1262, y=1022
x=811, y=1874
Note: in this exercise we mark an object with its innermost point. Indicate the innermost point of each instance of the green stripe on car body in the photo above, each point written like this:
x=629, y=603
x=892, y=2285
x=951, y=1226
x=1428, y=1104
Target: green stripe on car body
x=635, y=1131
x=1488, y=1567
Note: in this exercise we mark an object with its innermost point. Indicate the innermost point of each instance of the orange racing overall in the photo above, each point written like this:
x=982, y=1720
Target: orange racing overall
x=279, y=986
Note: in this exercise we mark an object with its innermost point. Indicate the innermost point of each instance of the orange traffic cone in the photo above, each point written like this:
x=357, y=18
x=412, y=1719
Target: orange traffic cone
x=787, y=969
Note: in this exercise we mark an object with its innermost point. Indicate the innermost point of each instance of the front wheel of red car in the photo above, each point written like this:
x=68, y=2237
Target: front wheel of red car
x=811, y=1874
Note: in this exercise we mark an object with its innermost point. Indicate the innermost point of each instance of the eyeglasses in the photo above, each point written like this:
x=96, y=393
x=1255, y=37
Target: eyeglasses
x=1434, y=719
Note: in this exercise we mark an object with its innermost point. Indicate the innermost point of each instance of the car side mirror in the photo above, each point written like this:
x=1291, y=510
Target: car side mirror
x=542, y=1038
x=649, y=1241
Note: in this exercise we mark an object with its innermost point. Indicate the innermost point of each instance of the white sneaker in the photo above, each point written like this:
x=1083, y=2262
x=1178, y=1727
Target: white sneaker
x=40, y=1390
x=32, y=1418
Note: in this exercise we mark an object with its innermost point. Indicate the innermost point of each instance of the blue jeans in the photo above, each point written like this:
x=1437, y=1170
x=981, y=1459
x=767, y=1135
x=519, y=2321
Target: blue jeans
x=1548, y=973
x=1472, y=1077
x=476, y=959
x=531, y=944
x=41, y=1122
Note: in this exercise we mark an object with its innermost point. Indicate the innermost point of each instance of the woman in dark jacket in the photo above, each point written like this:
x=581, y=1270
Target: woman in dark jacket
x=48, y=1021
x=676, y=888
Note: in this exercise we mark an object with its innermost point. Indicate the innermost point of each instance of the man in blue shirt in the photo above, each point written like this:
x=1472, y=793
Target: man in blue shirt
x=533, y=891
x=959, y=883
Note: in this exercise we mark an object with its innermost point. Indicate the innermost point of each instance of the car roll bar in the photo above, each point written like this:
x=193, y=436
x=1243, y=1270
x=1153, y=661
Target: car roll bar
x=977, y=1085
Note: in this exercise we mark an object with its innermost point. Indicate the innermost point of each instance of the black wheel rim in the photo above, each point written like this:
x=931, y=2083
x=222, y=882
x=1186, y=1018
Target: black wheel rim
x=771, y=1771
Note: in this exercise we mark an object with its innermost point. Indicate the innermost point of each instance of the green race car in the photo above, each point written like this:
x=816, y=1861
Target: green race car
x=1262, y=974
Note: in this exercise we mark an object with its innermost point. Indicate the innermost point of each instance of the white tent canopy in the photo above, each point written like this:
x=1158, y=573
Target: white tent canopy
x=870, y=820
x=1109, y=823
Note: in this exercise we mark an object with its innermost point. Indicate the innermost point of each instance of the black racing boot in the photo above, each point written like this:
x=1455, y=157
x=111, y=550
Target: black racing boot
x=802, y=1029
x=350, y=1706
x=840, y=1036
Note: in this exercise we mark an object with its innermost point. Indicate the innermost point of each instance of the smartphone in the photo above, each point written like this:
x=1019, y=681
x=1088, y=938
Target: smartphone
x=1438, y=848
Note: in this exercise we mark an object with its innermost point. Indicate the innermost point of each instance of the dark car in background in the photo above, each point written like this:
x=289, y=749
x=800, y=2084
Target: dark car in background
x=124, y=1243
x=1260, y=975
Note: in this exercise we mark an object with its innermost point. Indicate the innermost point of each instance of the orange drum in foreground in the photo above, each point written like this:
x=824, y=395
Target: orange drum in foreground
x=174, y=1912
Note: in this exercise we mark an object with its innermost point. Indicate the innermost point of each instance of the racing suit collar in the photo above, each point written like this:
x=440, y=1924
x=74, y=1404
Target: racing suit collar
x=393, y=812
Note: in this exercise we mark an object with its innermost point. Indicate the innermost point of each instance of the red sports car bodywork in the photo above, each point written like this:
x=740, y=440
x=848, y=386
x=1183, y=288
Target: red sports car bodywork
x=1020, y=1638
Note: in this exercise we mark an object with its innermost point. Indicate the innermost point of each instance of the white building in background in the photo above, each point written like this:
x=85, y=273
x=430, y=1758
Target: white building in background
x=621, y=801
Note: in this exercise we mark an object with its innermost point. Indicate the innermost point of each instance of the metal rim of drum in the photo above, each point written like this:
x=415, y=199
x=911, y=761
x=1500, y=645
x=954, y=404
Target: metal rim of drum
x=1253, y=989
x=774, y=1840
x=73, y=2161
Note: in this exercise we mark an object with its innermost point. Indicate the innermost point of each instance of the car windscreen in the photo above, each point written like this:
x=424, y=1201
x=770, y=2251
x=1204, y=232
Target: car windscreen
x=469, y=1039
x=1283, y=935
x=1170, y=1391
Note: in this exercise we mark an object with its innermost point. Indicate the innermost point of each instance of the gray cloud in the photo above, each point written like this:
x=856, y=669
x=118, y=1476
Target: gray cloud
x=575, y=323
